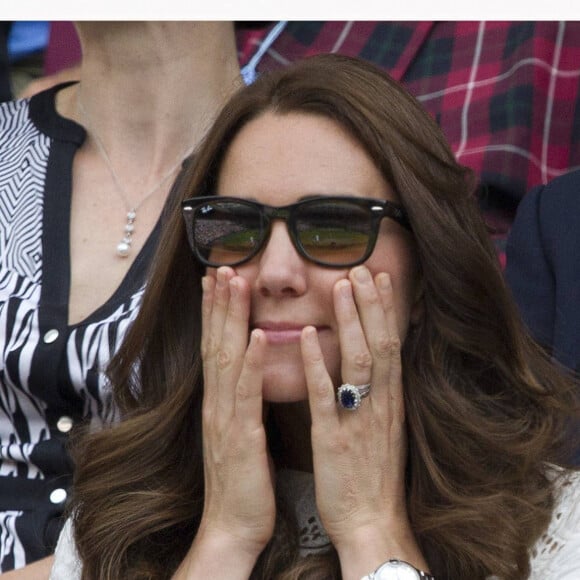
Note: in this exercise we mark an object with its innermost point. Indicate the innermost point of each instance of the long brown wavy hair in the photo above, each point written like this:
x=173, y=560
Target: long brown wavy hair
x=486, y=410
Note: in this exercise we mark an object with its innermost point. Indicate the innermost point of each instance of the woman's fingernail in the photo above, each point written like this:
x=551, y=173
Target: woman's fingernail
x=345, y=289
x=221, y=278
x=384, y=281
x=362, y=274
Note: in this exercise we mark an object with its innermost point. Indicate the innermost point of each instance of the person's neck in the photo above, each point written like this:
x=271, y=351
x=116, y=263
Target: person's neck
x=152, y=88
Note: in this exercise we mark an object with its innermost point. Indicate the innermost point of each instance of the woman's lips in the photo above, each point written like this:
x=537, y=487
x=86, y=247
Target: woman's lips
x=288, y=336
x=282, y=333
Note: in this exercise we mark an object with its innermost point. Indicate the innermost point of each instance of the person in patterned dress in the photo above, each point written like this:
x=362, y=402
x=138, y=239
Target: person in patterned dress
x=85, y=172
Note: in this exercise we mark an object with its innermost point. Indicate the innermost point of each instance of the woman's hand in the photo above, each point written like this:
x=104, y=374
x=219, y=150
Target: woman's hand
x=239, y=510
x=359, y=456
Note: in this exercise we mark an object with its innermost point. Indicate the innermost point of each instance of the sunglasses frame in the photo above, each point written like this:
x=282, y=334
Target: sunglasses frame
x=378, y=208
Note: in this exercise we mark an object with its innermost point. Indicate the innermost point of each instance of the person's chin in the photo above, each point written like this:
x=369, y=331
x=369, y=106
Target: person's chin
x=285, y=384
x=282, y=392
x=284, y=378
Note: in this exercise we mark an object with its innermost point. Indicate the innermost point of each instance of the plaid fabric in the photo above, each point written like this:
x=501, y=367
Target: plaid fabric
x=504, y=93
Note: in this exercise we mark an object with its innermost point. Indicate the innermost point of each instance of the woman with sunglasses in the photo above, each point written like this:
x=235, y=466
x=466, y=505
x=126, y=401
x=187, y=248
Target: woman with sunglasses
x=327, y=378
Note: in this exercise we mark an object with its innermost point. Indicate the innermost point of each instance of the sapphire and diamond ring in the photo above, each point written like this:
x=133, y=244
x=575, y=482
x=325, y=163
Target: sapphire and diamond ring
x=349, y=396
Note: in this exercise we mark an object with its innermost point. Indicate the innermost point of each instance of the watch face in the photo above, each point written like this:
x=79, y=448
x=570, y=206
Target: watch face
x=396, y=570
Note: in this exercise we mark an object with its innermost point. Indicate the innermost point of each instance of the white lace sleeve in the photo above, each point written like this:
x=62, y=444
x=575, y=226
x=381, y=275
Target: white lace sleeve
x=67, y=564
x=557, y=553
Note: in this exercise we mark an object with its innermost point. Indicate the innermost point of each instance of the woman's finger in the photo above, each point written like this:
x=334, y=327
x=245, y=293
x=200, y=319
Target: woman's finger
x=387, y=347
x=214, y=312
x=248, y=395
x=208, y=284
x=356, y=365
x=232, y=349
x=321, y=393
x=377, y=314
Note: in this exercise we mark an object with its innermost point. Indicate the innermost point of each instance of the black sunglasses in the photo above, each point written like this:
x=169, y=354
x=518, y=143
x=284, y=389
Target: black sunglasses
x=336, y=232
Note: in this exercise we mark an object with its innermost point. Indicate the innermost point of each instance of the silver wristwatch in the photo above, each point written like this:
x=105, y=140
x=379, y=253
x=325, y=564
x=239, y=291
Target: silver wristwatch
x=397, y=570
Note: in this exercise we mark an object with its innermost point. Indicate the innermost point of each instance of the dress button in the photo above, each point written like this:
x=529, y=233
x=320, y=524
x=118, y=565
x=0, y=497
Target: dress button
x=58, y=495
x=64, y=424
x=50, y=335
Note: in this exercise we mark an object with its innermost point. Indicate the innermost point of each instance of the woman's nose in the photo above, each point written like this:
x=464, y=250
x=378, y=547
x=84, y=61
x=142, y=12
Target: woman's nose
x=281, y=269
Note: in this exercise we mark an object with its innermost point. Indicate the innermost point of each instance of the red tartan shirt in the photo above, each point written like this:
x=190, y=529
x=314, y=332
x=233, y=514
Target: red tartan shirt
x=505, y=94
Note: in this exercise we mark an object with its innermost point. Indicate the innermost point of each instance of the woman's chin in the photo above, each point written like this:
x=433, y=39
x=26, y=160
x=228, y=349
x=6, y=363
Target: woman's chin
x=284, y=378
x=284, y=392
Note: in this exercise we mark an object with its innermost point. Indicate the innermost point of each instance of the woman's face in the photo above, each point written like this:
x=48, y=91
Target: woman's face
x=277, y=160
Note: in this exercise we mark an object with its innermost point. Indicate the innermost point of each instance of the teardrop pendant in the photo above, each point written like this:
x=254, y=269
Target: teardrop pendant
x=123, y=249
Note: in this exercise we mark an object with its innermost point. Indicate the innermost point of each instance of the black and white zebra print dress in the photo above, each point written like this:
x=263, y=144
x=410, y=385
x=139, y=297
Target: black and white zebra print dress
x=51, y=374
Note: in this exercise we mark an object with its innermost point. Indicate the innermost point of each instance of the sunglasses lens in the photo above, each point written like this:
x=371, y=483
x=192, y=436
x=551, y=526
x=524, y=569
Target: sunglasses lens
x=225, y=232
x=333, y=232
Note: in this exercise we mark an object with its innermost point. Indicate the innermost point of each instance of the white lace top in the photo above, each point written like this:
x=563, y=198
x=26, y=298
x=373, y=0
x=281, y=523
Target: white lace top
x=556, y=555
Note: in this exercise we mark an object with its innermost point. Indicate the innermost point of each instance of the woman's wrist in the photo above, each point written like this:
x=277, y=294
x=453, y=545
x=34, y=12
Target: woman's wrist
x=215, y=554
x=364, y=549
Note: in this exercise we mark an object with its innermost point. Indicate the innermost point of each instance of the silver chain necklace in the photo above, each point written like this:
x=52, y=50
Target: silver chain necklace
x=124, y=246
